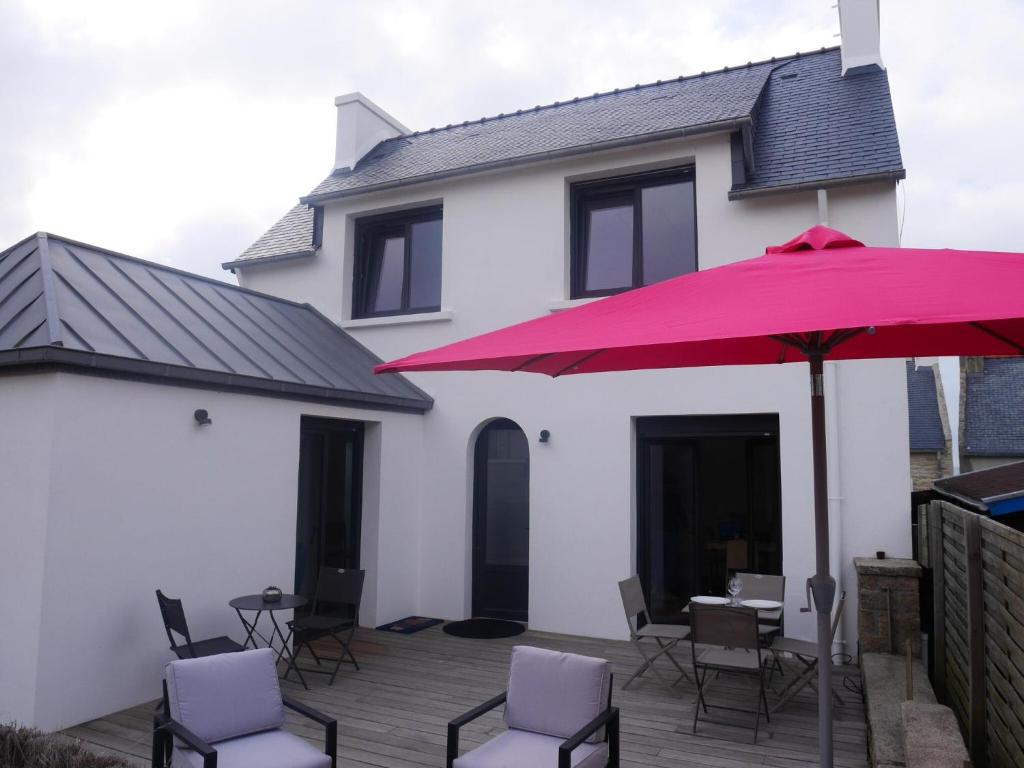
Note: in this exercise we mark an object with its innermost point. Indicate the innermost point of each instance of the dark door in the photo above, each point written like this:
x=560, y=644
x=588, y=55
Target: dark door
x=708, y=505
x=329, y=519
x=501, y=522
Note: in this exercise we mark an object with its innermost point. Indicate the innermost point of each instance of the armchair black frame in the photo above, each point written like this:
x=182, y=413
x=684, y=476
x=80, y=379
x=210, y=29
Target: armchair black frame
x=337, y=586
x=173, y=613
x=609, y=717
x=165, y=730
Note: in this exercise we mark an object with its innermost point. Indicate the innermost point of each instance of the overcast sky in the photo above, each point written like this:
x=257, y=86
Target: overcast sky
x=179, y=131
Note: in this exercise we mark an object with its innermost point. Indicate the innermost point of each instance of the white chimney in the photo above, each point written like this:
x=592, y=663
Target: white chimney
x=362, y=125
x=859, y=33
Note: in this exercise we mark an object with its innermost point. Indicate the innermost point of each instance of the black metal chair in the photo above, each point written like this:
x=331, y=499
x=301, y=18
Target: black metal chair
x=174, y=622
x=737, y=650
x=335, y=614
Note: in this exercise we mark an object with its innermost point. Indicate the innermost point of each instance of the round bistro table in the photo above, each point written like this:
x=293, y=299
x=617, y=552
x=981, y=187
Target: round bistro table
x=251, y=603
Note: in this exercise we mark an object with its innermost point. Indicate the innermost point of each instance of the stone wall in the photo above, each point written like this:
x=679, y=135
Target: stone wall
x=889, y=611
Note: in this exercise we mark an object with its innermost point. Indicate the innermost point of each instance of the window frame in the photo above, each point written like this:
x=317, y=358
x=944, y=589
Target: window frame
x=589, y=195
x=368, y=231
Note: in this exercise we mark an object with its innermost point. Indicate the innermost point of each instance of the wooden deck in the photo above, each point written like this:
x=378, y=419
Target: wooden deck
x=393, y=712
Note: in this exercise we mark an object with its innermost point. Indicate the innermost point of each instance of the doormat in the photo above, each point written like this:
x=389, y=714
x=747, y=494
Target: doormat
x=410, y=625
x=484, y=629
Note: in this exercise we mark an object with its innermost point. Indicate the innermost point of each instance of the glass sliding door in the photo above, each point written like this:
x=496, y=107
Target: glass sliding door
x=708, y=505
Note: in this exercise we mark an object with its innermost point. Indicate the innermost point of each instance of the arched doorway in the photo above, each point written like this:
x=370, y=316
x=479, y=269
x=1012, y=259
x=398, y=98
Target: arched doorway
x=501, y=522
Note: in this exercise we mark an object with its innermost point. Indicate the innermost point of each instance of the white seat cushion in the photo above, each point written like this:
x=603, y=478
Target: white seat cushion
x=555, y=693
x=231, y=694
x=270, y=749
x=522, y=749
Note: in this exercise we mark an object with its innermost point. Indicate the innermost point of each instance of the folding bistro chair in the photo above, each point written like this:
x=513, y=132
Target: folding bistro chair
x=667, y=636
x=174, y=622
x=806, y=653
x=733, y=632
x=335, y=614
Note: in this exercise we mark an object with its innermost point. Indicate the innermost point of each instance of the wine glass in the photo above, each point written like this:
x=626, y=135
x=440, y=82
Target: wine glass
x=734, y=588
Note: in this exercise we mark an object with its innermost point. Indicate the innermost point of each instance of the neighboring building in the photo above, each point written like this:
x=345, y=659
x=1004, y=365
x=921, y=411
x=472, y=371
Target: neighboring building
x=997, y=492
x=111, y=488
x=497, y=495
x=420, y=238
x=991, y=412
x=931, y=451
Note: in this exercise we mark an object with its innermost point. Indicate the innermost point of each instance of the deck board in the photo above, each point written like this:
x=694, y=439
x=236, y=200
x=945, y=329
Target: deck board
x=394, y=711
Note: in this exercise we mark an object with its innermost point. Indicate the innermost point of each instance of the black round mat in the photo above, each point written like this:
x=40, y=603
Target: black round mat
x=484, y=629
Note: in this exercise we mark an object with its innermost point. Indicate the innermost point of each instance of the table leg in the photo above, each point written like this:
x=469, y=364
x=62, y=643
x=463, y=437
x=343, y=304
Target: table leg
x=250, y=628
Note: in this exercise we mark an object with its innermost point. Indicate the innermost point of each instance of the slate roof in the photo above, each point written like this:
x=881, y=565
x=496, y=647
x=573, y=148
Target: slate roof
x=926, y=433
x=803, y=122
x=985, y=485
x=994, y=409
x=291, y=236
x=75, y=306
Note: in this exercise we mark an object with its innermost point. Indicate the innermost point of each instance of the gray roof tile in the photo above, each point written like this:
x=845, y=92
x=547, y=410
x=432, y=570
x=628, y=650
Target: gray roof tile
x=994, y=409
x=926, y=433
x=809, y=125
x=67, y=303
x=291, y=235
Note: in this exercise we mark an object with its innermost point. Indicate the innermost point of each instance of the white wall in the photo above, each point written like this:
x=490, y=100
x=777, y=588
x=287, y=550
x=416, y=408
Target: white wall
x=140, y=498
x=26, y=416
x=506, y=250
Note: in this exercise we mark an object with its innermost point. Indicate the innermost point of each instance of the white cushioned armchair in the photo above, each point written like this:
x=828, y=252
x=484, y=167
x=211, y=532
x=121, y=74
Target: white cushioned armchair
x=558, y=712
x=227, y=711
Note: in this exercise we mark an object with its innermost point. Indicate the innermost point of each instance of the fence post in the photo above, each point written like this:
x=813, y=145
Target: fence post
x=975, y=639
x=937, y=558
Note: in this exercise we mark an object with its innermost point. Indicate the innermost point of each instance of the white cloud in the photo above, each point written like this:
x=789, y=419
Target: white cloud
x=156, y=128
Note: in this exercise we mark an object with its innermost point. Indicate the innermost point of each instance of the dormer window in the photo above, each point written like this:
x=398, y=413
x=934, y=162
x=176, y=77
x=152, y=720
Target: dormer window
x=398, y=264
x=632, y=231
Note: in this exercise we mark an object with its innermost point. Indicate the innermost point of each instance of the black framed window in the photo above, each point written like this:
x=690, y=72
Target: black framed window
x=398, y=264
x=632, y=231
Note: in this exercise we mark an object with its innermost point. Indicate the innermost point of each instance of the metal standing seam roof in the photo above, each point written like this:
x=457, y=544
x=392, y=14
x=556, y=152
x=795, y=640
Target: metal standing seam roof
x=74, y=305
x=994, y=409
x=926, y=432
x=804, y=125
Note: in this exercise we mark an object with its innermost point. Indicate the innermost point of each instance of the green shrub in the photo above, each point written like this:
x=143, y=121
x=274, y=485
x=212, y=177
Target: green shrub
x=29, y=748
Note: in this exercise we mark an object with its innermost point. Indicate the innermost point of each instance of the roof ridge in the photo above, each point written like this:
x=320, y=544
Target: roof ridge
x=53, y=321
x=165, y=267
x=778, y=60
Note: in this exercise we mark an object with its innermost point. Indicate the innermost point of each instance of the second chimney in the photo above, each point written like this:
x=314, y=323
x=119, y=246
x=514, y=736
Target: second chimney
x=362, y=125
x=859, y=32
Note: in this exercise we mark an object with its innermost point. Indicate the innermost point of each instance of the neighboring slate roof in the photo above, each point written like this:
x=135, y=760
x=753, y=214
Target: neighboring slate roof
x=291, y=236
x=985, y=485
x=75, y=306
x=994, y=409
x=926, y=433
x=803, y=123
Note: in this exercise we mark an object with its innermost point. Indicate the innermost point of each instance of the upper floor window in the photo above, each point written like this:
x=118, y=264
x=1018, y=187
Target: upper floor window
x=632, y=231
x=398, y=264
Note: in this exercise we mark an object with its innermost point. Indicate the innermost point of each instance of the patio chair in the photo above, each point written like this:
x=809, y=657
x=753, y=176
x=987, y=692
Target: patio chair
x=174, y=622
x=763, y=586
x=737, y=650
x=227, y=711
x=667, y=636
x=558, y=712
x=338, y=594
x=806, y=653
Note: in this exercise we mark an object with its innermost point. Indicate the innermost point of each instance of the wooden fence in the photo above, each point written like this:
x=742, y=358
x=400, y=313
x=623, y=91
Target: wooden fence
x=977, y=664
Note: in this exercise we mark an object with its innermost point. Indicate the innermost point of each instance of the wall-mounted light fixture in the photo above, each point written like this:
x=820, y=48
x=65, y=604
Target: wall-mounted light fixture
x=202, y=417
x=545, y=436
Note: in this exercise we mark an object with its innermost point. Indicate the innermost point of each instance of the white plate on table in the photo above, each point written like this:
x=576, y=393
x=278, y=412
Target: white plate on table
x=761, y=605
x=709, y=600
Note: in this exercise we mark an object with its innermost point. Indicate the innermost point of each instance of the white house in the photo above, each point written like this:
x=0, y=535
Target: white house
x=512, y=496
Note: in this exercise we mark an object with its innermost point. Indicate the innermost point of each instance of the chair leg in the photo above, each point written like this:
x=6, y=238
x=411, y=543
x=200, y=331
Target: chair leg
x=613, y=742
x=293, y=662
x=313, y=653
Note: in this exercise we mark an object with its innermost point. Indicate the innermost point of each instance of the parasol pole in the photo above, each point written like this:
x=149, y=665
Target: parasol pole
x=823, y=586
